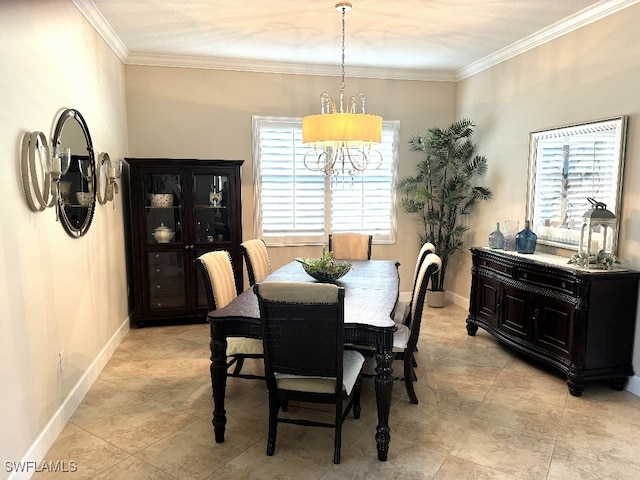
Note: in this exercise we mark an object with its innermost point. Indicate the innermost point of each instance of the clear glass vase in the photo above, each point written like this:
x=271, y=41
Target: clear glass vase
x=511, y=229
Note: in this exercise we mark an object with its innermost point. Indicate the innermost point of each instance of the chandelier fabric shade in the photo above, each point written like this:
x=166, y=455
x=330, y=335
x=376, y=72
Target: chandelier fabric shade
x=352, y=129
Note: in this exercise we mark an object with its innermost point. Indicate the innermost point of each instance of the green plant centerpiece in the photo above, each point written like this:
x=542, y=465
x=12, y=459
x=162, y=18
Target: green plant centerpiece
x=443, y=188
x=325, y=268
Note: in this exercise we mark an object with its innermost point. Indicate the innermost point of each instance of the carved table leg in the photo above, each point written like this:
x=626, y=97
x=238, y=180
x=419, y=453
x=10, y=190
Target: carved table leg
x=218, y=381
x=384, y=389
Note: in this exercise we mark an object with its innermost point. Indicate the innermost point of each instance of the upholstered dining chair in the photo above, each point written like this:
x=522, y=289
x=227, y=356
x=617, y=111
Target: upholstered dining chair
x=402, y=313
x=256, y=257
x=304, y=358
x=350, y=246
x=220, y=287
x=405, y=339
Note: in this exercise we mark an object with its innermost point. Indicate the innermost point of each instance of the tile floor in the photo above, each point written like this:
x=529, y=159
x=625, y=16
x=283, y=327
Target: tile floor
x=484, y=413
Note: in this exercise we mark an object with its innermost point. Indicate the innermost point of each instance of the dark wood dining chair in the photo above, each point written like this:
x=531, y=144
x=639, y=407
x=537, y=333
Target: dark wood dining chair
x=256, y=258
x=402, y=313
x=220, y=287
x=350, y=246
x=304, y=358
x=405, y=338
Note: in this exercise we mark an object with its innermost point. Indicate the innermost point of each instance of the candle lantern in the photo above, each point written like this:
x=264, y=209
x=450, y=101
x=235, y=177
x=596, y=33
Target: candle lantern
x=598, y=237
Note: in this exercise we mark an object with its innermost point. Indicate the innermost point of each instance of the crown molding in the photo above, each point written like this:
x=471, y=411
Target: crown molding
x=567, y=25
x=558, y=29
x=257, y=66
x=89, y=10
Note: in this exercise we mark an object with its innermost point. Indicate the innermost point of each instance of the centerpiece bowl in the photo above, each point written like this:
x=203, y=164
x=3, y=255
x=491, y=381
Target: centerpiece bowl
x=325, y=269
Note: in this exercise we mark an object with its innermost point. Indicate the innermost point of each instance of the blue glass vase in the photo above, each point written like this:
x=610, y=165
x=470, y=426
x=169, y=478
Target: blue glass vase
x=526, y=240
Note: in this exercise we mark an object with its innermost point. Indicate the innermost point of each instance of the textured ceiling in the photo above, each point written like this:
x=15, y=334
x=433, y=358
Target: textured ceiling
x=419, y=38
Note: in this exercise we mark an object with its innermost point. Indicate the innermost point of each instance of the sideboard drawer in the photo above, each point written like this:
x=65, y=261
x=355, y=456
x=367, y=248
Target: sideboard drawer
x=498, y=267
x=556, y=282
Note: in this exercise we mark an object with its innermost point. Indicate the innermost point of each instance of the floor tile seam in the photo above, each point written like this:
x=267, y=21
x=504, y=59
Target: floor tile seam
x=193, y=420
x=146, y=463
x=511, y=475
x=93, y=434
x=231, y=459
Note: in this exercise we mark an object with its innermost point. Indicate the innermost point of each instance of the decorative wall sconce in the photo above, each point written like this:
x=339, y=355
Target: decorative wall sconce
x=61, y=174
x=112, y=171
x=41, y=179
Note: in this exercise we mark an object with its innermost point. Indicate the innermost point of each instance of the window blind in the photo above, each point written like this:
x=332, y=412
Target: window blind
x=294, y=205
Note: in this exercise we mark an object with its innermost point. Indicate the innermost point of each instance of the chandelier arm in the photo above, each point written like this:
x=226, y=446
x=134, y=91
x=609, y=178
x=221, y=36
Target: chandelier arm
x=327, y=101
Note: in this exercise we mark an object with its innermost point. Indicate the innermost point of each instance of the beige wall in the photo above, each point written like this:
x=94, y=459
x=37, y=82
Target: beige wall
x=57, y=292
x=589, y=74
x=194, y=113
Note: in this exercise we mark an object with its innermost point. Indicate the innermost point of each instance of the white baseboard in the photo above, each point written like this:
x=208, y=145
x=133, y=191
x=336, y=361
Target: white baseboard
x=58, y=421
x=457, y=300
x=634, y=385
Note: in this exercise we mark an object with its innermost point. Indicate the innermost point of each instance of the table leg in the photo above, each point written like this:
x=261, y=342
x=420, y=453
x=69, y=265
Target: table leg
x=218, y=381
x=384, y=389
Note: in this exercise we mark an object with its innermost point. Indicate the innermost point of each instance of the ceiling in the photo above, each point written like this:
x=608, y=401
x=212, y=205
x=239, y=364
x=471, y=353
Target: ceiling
x=412, y=39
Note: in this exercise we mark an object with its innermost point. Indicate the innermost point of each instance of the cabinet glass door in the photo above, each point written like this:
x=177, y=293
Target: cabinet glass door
x=163, y=208
x=211, y=204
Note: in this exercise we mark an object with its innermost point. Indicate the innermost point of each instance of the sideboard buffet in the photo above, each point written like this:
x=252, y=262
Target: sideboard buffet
x=180, y=209
x=579, y=321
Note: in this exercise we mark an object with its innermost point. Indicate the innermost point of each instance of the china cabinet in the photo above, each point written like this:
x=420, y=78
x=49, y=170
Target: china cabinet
x=580, y=321
x=180, y=209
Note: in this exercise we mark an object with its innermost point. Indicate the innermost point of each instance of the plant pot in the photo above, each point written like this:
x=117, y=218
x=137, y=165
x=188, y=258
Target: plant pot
x=436, y=299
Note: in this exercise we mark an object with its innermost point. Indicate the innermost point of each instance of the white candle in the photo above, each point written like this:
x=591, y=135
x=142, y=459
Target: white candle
x=112, y=172
x=56, y=167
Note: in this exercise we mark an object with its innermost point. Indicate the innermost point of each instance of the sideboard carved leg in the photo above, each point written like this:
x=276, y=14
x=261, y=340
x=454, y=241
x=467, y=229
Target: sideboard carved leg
x=471, y=329
x=617, y=383
x=575, y=387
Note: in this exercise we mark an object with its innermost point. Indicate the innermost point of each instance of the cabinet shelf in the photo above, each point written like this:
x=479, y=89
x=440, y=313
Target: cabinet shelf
x=209, y=207
x=580, y=321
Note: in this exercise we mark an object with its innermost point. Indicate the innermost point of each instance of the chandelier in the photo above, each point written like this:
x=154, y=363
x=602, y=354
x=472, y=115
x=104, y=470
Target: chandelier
x=342, y=139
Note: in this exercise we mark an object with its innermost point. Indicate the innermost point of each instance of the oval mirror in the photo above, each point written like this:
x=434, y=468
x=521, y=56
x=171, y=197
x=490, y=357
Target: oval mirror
x=77, y=192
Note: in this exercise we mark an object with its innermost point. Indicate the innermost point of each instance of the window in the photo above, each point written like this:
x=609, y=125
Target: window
x=295, y=206
x=567, y=166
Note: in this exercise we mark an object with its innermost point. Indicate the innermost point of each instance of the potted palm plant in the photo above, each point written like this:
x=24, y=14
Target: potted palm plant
x=442, y=189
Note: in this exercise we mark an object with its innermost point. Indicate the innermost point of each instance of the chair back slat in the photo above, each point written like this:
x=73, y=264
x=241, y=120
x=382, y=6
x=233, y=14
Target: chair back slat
x=220, y=284
x=256, y=257
x=350, y=246
x=426, y=249
x=430, y=265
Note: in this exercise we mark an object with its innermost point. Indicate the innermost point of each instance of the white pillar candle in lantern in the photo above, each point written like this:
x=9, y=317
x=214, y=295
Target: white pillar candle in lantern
x=598, y=236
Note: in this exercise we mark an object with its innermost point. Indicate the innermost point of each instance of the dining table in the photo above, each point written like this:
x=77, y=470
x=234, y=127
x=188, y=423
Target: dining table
x=371, y=294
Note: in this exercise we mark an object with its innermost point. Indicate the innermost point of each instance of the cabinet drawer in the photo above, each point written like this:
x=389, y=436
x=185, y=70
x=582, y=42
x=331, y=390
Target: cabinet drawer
x=534, y=277
x=495, y=266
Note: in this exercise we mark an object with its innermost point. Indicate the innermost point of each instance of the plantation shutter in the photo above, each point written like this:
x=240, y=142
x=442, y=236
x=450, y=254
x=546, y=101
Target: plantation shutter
x=297, y=206
x=366, y=202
